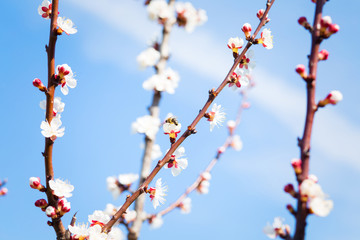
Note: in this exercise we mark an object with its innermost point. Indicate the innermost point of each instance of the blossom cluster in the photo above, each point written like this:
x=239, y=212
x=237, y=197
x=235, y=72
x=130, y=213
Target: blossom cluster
x=63, y=24
x=120, y=184
x=184, y=14
x=97, y=220
x=61, y=189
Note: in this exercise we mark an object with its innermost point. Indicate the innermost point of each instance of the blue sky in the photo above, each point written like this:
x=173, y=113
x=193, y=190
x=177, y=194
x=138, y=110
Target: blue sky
x=246, y=188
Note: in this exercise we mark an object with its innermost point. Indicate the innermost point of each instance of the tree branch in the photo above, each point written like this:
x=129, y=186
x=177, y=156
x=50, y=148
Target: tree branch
x=189, y=131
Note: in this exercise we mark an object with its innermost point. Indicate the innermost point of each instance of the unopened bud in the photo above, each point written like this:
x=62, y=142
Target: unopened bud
x=231, y=124
x=260, y=13
x=41, y=203
x=313, y=178
x=35, y=183
x=334, y=28
x=325, y=22
x=303, y=21
x=332, y=98
x=221, y=149
x=300, y=69
x=289, y=188
x=296, y=164
x=246, y=29
x=37, y=83
x=290, y=208
x=323, y=55
x=50, y=212
x=245, y=105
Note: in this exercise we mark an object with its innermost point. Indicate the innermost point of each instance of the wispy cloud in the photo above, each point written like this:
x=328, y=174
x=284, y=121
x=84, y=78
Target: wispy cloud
x=335, y=134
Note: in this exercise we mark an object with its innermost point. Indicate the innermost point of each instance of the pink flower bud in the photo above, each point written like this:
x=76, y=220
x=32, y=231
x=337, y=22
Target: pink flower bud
x=246, y=29
x=245, y=105
x=302, y=21
x=260, y=13
x=334, y=28
x=323, y=55
x=41, y=203
x=221, y=149
x=3, y=191
x=289, y=188
x=35, y=183
x=300, y=69
x=296, y=164
x=334, y=97
x=37, y=83
x=50, y=212
x=64, y=206
x=325, y=22
x=290, y=208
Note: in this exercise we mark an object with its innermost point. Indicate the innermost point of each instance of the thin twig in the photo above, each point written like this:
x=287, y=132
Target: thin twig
x=188, y=132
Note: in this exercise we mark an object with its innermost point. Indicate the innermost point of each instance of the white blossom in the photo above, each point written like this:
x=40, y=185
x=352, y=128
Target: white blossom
x=156, y=151
x=148, y=58
x=320, y=206
x=185, y=206
x=95, y=233
x=272, y=230
x=159, y=9
x=147, y=124
x=176, y=163
x=157, y=194
x=128, y=179
x=130, y=215
x=61, y=188
x=110, y=209
x=58, y=105
x=216, y=116
x=79, y=230
x=66, y=25
x=52, y=130
x=188, y=16
x=235, y=44
x=113, y=187
x=203, y=187
x=115, y=234
x=156, y=222
x=44, y=9
x=66, y=77
x=98, y=217
x=165, y=82
x=266, y=39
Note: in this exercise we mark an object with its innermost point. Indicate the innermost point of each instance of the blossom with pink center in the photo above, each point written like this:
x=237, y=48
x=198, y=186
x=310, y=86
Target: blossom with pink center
x=50, y=212
x=165, y=82
x=66, y=25
x=44, y=9
x=157, y=193
x=61, y=188
x=176, y=163
x=238, y=78
x=159, y=9
x=235, y=44
x=148, y=58
x=98, y=218
x=156, y=221
x=188, y=17
x=79, y=231
x=266, y=39
x=147, y=124
x=65, y=77
x=58, y=106
x=216, y=116
x=171, y=127
x=3, y=191
x=185, y=206
x=247, y=63
x=52, y=130
x=273, y=230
